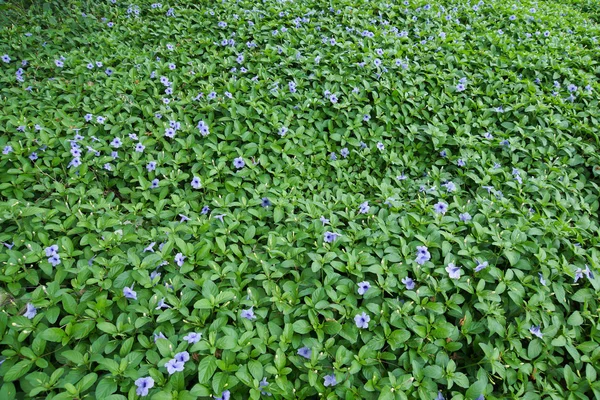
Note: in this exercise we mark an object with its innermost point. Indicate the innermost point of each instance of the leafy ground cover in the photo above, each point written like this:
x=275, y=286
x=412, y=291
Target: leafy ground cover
x=304, y=199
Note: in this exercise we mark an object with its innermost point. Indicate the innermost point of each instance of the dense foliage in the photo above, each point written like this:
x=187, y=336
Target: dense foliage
x=299, y=199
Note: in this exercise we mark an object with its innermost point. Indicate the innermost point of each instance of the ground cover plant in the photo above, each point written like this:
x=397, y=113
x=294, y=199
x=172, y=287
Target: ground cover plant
x=299, y=199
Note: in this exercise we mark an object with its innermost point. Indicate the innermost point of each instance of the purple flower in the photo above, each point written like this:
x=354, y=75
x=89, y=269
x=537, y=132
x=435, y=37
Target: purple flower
x=154, y=183
x=542, y=280
x=196, y=184
x=380, y=146
x=173, y=366
x=329, y=237
x=364, y=208
x=460, y=87
x=159, y=335
x=588, y=272
x=304, y=352
x=535, y=330
x=116, y=143
x=239, y=163
x=52, y=250
x=333, y=157
x=6, y=58
x=362, y=320
x=205, y=210
x=161, y=304
x=54, y=259
x=183, y=357
x=59, y=63
x=453, y=271
x=179, y=259
x=129, y=293
x=224, y=396
x=422, y=255
x=465, y=217
x=344, y=152
x=363, y=287
x=263, y=383
x=329, y=380
x=151, y=166
x=7, y=149
x=450, y=187
x=31, y=311
x=170, y=132
x=481, y=265
x=409, y=283
x=248, y=314
x=193, y=337
x=139, y=147
x=108, y=71
x=324, y=220
x=440, y=207
x=33, y=156
x=443, y=153
x=265, y=202
x=143, y=385
x=150, y=247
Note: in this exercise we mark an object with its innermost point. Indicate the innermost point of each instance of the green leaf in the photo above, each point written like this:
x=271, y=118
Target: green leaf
x=575, y=319
x=17, y=370
x=256, y=369
x=277, y=214
x=302, y=326
x=105, y=387
x=206, y=368
x=53, y=334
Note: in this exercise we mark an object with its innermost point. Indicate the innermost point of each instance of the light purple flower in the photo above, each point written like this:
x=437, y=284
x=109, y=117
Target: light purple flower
x=54, y=259
x=183, y=357
x=465, y=217
x=196, y=184
x=224, y=396
x=453, y=271
x=139, y=147
x=364, y=208
x=179, y=259
x=162, y=304
x=535, y=330
x=31, y=311
x=542, y=280
x=129, y=293
x=362, y=320
x=249, y=314
x=481, y=265
x=304, y=352
x=329, y=380
x=239, y=163
x=363, y=287
x=193, y=337
x=440, y=207
x=173, y=366
x=422, y=255
x=409, y=283
x=329, y=237
x=143, y=385
x=52, y=250
x=324, y=220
